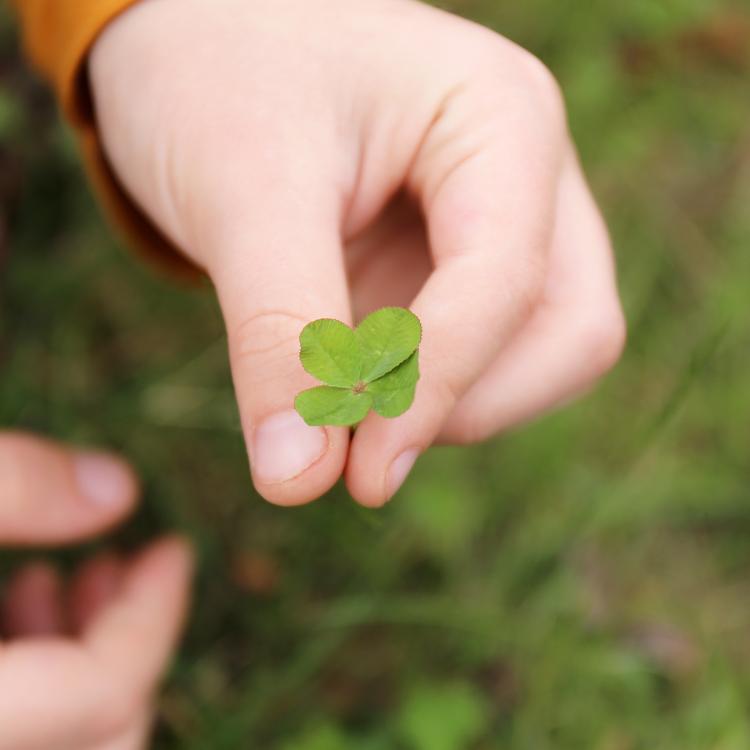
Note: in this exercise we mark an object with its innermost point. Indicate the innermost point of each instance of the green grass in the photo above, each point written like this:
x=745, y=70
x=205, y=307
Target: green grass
x=580, y=583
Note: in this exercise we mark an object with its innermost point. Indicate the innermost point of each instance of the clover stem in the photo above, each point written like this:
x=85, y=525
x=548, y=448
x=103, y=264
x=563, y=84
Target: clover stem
x=359, y=387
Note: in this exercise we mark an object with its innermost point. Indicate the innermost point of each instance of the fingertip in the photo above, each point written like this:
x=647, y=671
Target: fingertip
x=365, y=475
x=169, y=557
x=375, y=492
x=399, y=470
x=55, y=495
x=105, y=481
x=135, y=633
x=179, y=552
x=311, y=462
x=363, y=494
x=360, y=481
x=283, y=446
x=383, y=451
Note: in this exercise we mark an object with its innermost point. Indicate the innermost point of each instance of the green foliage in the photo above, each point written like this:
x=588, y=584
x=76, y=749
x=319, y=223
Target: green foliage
x=586, y=575
x=439, y=518
x=386, y=338
x=393, y=393
x=373, y=366
x=324, y=736
x=442, y=717
x=329, y=351
x=326, y=404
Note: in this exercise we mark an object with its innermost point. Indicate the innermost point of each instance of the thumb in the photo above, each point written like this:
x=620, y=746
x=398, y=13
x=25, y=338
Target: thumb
x=273, y=276
x=50, y=494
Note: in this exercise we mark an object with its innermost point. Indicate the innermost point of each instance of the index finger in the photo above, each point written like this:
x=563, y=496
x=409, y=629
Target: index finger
x=133, y=637
x=487, y=178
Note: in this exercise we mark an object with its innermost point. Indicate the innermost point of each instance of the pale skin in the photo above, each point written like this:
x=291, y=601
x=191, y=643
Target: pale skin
x=317, y=159
x=80, y=659
x=323, y=159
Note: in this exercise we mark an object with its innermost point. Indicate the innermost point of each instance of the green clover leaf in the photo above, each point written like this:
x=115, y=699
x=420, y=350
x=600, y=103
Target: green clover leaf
x=329, y=351
x=387, y=337
x=375, y=366
x=328, y=404
x=393, y=393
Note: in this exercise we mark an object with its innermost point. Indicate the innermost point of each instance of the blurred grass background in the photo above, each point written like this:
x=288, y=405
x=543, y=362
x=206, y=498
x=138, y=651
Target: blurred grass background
x=581, y=583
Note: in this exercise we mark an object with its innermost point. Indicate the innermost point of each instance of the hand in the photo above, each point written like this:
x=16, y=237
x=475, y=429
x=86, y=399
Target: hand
x=325, y=159
x=78, y=667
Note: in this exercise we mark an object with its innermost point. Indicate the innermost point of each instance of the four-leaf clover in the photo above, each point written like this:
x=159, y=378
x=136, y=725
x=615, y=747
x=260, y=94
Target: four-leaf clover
x=374, y=366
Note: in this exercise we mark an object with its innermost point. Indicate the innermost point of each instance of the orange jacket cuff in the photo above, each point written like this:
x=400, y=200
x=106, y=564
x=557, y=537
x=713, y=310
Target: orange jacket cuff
x=57, y=36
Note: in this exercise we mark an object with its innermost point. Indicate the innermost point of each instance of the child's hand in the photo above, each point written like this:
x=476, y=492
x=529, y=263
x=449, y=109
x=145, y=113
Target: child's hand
x=275, y=142
x=78, y=668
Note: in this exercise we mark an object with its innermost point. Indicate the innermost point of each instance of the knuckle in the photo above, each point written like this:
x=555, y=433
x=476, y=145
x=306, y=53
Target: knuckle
x=271, y=336
x=538, y=99
x=602, y=340
x=540, y=80
x=528, y=284
x=444, y=389
x=447, y=391
x=517, y=288
x=515, y=85
x=535, y=275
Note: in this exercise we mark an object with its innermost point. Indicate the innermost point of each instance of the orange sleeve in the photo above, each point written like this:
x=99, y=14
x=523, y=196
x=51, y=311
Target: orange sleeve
x=57, y=36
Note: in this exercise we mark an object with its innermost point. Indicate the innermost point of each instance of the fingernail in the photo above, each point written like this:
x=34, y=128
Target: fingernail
x=399, y=470
x=104, y=480
x=283, y=446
